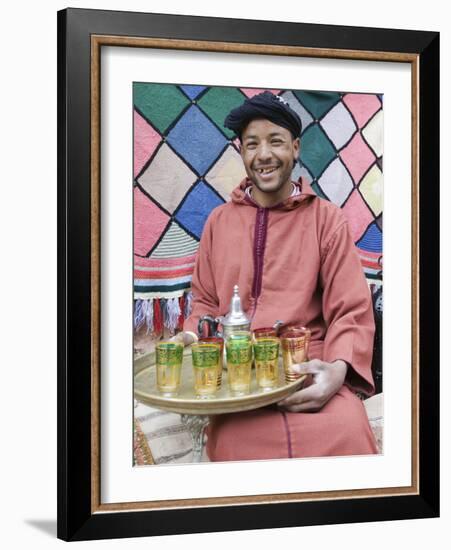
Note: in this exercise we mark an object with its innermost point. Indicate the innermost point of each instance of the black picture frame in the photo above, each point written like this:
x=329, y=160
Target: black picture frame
x=80, y=516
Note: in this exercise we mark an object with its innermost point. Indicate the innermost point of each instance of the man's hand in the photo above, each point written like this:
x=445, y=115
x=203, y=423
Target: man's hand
x=185, y=338
x=327, y=380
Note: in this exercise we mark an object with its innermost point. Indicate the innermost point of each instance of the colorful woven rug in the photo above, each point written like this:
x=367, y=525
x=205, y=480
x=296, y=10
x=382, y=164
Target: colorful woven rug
x=163, y=438
x=142, y=455
x=186, y=163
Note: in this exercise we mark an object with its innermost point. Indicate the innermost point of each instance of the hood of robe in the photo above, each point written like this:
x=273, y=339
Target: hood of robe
x=306, y=193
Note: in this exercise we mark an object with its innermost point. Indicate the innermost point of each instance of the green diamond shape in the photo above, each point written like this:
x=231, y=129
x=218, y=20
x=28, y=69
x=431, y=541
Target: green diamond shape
x=316, y=150
x=217, y=104
x=159, y=103
x=318, y=103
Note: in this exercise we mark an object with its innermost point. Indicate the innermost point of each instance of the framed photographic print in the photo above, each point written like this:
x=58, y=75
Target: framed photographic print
x=145, y=157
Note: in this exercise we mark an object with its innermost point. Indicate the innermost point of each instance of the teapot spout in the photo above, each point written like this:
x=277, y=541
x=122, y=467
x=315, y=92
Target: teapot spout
x=277, y=326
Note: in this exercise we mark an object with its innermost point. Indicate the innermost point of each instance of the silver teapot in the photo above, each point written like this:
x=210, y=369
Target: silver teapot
x=234, y=321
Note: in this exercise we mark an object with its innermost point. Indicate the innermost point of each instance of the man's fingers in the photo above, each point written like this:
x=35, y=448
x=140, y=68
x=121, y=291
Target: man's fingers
x=309, y=367
x=301, y=396
x=184, y=338
x=326, y=382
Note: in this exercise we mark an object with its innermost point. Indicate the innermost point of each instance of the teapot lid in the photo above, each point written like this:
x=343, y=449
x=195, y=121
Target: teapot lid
x=236, y=315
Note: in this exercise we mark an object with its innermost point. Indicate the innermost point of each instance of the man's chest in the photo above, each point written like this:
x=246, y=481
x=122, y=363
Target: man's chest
x=278, y=248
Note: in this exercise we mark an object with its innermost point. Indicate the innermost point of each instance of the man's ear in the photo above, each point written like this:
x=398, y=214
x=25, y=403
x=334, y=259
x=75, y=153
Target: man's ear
x=297, y=146
x=297, y=149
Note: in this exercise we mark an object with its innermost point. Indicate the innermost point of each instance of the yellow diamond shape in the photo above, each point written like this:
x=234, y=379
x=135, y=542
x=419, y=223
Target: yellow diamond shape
x=374, y=133
x=227, y=173
x=372, y=188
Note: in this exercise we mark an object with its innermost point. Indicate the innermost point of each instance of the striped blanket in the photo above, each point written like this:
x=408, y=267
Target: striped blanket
x=165, y=438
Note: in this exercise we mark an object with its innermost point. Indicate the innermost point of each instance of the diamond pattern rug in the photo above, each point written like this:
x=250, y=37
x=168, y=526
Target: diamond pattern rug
x=186, y=163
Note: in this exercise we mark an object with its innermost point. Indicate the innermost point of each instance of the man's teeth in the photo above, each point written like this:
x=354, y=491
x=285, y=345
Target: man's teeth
x=266, y=170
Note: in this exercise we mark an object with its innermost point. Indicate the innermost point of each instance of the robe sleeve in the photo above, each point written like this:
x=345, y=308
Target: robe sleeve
x=205, y=300
x=347, y=310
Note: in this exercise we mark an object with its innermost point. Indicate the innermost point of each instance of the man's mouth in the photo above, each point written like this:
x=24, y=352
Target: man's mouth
x=265, y=171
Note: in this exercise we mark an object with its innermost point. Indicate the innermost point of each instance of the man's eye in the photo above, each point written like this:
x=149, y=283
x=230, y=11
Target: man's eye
x=251, y=145
x=276, y=141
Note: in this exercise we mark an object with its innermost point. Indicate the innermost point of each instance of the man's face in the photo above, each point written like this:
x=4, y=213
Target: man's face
x=268, y=152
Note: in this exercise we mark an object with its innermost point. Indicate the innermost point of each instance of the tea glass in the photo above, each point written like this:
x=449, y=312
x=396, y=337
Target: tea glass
x=264, y=332
x=239, y=362
x=220, y=341
x=266, y=354
x=295, y=343
x=169, y=359
x=206, y=362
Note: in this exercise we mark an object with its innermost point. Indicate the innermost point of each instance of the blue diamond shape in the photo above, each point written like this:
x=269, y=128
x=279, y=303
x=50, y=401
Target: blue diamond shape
x=192, y=91
x=196, y=208
x=371, y=239
x=197, y=140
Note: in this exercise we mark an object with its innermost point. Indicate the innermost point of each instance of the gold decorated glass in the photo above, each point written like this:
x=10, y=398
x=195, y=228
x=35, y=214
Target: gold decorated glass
x=266, y=356
x=295, y=344
x=206, y=364
x=169, y=358
x=264, y=332
x=239, y=362
x=220, y=341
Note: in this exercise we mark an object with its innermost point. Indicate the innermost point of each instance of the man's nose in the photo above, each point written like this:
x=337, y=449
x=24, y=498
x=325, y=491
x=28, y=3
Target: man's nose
x=264, y=151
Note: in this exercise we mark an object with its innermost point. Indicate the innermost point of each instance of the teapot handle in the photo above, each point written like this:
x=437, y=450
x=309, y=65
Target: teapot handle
x=212, y=325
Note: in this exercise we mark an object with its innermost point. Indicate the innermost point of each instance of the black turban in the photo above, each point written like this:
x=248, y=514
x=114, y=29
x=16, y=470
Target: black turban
x=265, y=105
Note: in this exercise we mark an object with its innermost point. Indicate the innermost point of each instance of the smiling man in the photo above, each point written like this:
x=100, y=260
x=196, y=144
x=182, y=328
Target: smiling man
x=293, y=258
x=269, y=153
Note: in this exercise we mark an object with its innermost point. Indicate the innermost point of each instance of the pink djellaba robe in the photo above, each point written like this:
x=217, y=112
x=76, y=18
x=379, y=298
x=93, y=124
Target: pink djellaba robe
x=294, y=262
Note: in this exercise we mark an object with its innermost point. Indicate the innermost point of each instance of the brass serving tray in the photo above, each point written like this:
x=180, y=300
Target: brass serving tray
x=145, y=390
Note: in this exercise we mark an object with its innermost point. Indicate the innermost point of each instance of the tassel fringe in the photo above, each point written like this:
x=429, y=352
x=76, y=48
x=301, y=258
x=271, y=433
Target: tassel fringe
x=157, y=318
x=157, y=313
x=181, y=314
x=172, y=310
x=188, y=304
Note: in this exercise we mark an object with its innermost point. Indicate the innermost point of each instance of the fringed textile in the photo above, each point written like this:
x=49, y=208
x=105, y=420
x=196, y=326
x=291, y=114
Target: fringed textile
x=158, y=313
x=188, y=303
x=182, y=313
x=172, y=313
x=157, y=318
